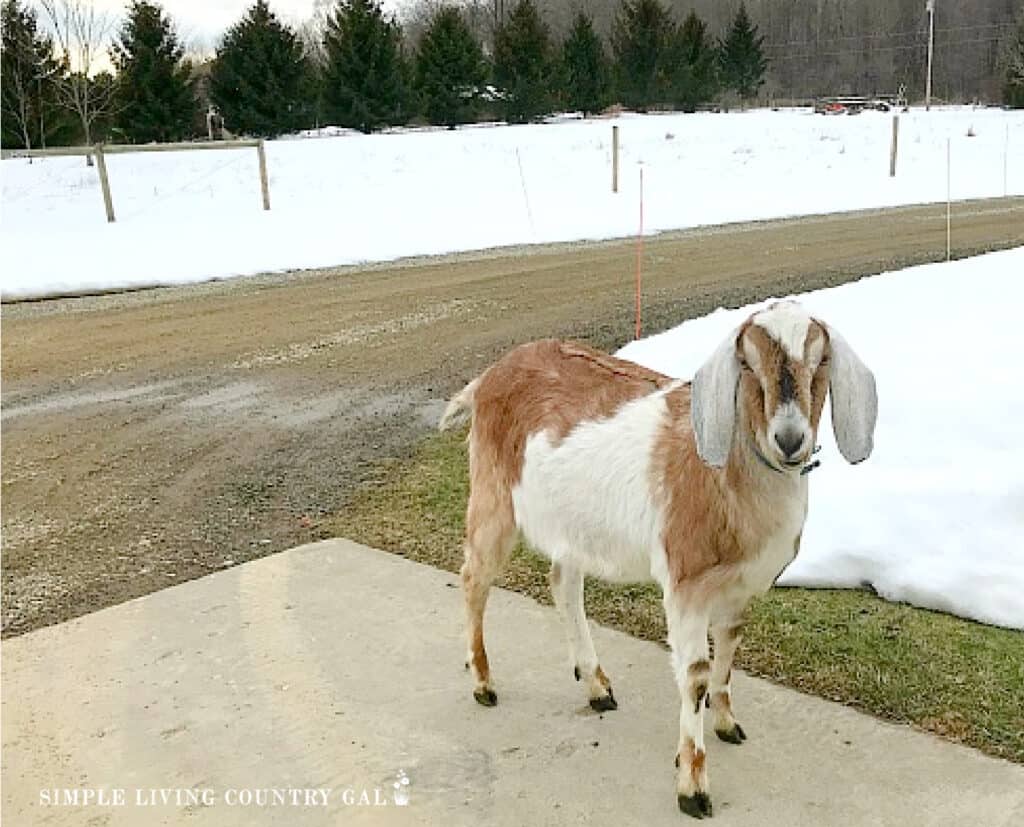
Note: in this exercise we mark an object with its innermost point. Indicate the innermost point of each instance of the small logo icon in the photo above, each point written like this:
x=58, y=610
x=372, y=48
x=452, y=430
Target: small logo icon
x=401, y=793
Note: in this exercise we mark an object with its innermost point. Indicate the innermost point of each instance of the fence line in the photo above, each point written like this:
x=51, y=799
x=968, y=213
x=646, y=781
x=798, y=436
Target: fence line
x=99, y=151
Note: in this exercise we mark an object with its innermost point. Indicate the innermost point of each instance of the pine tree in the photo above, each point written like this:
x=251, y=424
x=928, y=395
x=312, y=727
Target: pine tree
x=260, y=79
x=1012, y=60
x=585, y=68
x=155, y=96
x=743, y=64
x=30, y=117
x=450, y=69
x=642, y=39
x=365, y=77
x=523, y=68
x=693, y=77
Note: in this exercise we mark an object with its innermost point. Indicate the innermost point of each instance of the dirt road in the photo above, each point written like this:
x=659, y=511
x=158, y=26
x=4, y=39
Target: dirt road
x=152, y=437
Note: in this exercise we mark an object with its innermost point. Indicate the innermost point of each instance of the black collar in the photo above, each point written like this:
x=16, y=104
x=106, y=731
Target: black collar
x=810, y=466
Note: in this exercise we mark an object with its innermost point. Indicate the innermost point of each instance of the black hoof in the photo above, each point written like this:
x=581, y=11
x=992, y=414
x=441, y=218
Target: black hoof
x=697, y=805
x=736, y=735
x=485, y=697
x=605, y=703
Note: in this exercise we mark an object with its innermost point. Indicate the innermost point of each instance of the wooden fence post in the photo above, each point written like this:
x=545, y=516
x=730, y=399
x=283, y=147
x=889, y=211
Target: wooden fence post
x=101, y=165
x=264, y=184
x=615, y=159
x=895, y=142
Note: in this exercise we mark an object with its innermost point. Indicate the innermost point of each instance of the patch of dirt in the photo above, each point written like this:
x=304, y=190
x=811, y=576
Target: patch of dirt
x=153, y=437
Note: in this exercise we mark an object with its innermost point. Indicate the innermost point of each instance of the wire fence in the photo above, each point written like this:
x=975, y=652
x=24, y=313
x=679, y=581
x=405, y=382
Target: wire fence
x=100, y=151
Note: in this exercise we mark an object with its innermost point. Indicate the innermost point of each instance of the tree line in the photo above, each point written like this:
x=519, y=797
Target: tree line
x=355, y=66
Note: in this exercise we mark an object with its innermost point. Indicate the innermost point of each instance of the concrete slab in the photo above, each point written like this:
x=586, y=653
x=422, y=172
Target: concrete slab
x=337, y=667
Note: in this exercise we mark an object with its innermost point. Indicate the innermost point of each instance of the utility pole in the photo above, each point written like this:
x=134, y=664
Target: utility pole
x=930, y=8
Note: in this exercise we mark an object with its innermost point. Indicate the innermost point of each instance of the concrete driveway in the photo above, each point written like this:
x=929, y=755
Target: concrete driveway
x=324, y=685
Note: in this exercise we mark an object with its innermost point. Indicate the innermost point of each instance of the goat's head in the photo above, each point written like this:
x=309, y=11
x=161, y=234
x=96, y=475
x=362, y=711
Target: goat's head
x=769, y=379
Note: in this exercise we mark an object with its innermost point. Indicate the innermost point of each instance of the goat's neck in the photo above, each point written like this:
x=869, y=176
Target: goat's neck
x=759, y=485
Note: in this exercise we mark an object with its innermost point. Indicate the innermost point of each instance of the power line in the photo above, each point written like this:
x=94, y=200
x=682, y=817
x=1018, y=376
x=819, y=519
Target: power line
x=916, y=32
x=875, y=49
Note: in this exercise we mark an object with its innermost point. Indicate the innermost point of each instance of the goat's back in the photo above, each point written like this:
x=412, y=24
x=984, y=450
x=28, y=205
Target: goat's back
x=550, y=386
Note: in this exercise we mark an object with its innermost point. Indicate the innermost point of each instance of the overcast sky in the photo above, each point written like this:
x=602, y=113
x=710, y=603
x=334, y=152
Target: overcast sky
x=201, y=22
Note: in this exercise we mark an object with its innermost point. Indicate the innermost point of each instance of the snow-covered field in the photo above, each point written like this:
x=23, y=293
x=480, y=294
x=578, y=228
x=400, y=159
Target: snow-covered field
x=936, y=516
x=192, y=216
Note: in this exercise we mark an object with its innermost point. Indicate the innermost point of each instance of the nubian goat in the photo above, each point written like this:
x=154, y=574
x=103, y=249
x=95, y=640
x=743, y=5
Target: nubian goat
x=617, y=471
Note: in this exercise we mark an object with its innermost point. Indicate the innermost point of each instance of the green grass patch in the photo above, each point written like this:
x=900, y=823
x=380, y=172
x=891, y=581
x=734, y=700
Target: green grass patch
x=959, y=679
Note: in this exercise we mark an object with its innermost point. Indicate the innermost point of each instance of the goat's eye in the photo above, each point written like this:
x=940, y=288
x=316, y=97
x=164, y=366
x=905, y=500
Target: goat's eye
x=744, y=365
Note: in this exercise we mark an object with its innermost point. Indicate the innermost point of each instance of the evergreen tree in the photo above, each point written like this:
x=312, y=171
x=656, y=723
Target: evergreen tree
x=450, y=69
x=365, y=76
x=642, y=41
x=523, y=67
x=742, y=62
x=30, y=117
x=693, y=77
x=585, y=68
x=1012, y=60
x=260, y=80
x=155, y=96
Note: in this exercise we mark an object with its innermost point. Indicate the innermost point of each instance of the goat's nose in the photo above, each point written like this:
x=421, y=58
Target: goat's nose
x=789, y=441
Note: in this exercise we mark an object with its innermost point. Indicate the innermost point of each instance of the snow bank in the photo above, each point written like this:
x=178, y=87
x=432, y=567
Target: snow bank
x=193, y=216
x=936, y=516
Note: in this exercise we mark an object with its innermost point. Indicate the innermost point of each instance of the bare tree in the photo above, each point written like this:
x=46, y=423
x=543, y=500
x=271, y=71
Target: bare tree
x=82, y=36
x=311, y=32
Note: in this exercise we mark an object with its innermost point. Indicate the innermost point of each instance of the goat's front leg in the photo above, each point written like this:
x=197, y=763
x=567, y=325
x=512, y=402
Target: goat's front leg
x=726, y=637
x=688, y=637
x=567, y=590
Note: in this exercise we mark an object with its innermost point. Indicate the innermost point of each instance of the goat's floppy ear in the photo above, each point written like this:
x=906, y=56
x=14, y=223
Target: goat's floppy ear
x=854, y=401
x=713, y=403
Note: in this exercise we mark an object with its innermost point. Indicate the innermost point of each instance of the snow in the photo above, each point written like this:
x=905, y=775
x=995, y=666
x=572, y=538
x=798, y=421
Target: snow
x=935, y=517
x=346, y=198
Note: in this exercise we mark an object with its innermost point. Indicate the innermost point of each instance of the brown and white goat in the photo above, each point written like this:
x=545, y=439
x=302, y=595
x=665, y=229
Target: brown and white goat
x=616, y=471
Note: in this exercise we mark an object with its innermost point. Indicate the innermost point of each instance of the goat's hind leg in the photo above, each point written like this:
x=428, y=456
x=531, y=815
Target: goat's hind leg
x=490, y=537
x=567, y=590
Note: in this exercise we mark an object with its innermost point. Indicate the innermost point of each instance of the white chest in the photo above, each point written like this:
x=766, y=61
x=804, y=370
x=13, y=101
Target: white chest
x=757, y=574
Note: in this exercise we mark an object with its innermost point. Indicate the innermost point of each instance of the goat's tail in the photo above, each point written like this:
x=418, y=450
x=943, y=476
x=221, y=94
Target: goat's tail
x=460, y=409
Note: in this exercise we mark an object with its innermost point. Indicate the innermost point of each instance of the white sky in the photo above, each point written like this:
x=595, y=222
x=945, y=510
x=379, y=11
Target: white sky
x=200, y=23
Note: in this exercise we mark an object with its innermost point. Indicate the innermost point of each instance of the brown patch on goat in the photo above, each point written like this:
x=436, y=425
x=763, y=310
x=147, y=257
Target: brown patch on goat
x=700, y=516
x=697, y=667
x=549, y=386
x=555, y=575
x=820, y=380
x=777, y=372
x=697, y=673
x=481, y=669
x=693, y=759
x=721, y=701
x=697, y=766
x=602, y=678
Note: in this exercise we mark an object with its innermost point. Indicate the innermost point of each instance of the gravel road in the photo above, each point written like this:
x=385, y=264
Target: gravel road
x=153, y=437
